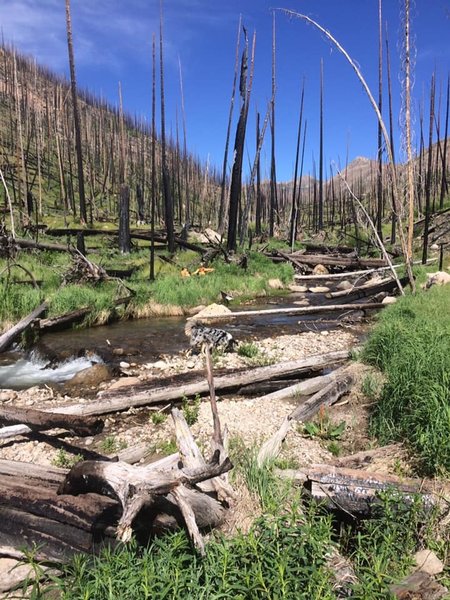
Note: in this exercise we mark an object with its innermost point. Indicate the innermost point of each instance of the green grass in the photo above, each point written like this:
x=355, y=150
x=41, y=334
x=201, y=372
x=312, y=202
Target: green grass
x=169, y=288
x=411, y=345
x=283, y=556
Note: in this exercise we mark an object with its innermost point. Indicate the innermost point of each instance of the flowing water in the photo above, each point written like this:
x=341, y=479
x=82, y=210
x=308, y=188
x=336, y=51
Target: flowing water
x=59, y=356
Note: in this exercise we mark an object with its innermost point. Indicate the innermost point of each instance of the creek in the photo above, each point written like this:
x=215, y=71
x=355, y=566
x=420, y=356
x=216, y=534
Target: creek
x=58, y=356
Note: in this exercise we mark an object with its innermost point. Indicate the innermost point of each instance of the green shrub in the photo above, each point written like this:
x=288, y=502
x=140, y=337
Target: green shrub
x=411, y=345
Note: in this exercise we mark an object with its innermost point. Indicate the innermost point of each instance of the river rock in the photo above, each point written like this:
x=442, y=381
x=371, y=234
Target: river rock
x=301, y=289
x=319, y=289
x=320, y=270
x=427, y=561
x=344, y=285
x=91, y=376
x=389, y=300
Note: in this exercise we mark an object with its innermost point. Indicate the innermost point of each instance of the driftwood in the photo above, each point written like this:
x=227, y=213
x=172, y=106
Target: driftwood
x=22, y=243
x=101, y=501
x=302, y=310
x=38, y=420
x=355, y=492
x=333, y=261
x=147, y=394
x=7, y=338
x=327, y=395
x=368, y=289
x=303, y=388
x=353, y=274
x=418, y=586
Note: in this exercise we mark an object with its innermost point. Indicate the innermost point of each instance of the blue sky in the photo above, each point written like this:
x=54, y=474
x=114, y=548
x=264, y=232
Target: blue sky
x=112, y=41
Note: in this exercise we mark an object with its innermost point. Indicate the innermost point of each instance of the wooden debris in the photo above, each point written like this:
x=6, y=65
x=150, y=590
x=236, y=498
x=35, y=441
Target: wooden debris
x=418, y=586
x=325, y=397
x=10, y=336
x=334, y=261
x=355, y=491
x=37, y=420
x=83, y=270
x=302, y=310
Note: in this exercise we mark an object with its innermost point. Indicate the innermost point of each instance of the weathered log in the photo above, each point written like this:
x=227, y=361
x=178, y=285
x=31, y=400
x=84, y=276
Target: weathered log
x=295, y=310
x=325, y=397
x=38, y=420
x=368, y=289
x=41, y=245
x=336, y=261
x=59, y=525
x=356, y=492
x=418, y=586
x=353, y=274
x=7, y=338
x=330, y=387
x=136, y=487
x=147, y=394
x=63, y=321
x=303, y=388
x=312, y=248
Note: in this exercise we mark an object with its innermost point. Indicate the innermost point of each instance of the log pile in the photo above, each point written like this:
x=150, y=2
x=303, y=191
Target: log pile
x=102, y=502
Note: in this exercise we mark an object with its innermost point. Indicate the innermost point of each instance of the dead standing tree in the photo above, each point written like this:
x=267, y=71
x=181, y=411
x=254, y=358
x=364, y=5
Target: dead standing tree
x=76, y=115
x=168, y=200
x=245, y=87
x=396, y=201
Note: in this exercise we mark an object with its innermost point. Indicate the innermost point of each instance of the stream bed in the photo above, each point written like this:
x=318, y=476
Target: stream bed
x=58, y=356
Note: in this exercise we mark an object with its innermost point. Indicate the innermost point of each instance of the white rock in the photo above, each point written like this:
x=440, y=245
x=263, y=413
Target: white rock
x=389, y=300
x=344, y=285
x=319, y=289
x=124, y=365
x=428, y=562
x=434, y=247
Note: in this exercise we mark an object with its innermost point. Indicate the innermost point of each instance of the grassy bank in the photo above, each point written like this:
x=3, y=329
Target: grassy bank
x=285, y=555
x=411, y=345
x=165, y=295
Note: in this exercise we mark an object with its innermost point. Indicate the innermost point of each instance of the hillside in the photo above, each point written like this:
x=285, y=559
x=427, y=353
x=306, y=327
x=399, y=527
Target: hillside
x=38, y=152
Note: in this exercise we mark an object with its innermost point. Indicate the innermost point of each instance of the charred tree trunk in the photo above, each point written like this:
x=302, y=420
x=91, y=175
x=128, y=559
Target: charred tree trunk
x=124, y=220
x=223, y=196
x=295, y=200
x=236, y=176
x=428, y=181
x=380, y=135
x=168, y=200
x=76, y=116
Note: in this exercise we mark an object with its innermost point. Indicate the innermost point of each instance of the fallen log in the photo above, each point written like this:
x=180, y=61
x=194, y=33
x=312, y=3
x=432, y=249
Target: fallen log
x=56, y=527
x=63, y=321
x=38, y=420
x=97, y=499
x=353, y=274
x=368, y=289
x=295, y=310
x=327, y=396
x=113, y=402
x=357, y=492
x=335, y=261
x=303, y=388
x=7, y=338
x=146, y=394
x=42, y=245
